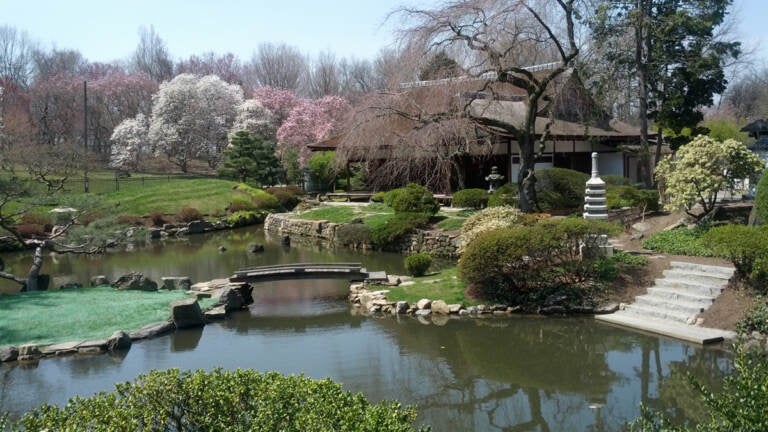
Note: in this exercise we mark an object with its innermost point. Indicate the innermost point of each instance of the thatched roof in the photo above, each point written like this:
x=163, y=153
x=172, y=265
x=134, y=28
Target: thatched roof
x=756, y=127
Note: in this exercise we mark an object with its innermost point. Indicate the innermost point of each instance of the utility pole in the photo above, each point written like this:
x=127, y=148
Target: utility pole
x=85, y=136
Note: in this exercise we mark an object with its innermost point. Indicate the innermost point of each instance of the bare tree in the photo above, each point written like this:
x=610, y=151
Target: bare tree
x=226, y=66
x=57, y=63
x=280, y=66
x=497, y=40
x=324, y=76
x=15, y=55
x=151, y=56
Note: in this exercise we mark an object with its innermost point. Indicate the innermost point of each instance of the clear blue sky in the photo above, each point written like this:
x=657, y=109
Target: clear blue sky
x=107, y=30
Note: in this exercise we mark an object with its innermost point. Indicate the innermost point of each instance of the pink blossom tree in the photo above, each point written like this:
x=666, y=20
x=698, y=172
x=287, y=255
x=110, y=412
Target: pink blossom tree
x=311, y=121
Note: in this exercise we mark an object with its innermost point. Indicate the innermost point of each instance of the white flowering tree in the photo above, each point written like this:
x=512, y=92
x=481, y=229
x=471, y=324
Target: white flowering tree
x=191, y=117
x=253, y=117
x=130, y=142
x=701, y=169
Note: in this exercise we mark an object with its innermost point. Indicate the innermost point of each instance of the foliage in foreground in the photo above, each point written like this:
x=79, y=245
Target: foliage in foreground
x=240, y=400
x=470, y=198
x=744, y=246
x=521, y=264
x=756, y=319
x=761, y=198
x=740, y=406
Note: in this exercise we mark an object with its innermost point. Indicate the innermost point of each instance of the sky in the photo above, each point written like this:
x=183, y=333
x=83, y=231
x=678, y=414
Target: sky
x=107, y=30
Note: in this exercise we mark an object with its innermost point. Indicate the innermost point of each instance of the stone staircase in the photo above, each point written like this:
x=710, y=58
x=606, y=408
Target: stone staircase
x=671, y=306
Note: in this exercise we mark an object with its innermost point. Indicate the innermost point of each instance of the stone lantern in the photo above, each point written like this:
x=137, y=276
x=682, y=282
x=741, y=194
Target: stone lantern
x=494, y=179
x=594, y=198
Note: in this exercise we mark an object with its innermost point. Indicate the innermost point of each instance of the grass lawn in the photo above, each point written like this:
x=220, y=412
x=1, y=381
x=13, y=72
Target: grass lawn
x=209, y=196
x=444, y=285
x=46, y=317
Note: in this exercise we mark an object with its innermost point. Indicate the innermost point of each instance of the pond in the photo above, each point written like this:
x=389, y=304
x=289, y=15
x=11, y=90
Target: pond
x=517, y=373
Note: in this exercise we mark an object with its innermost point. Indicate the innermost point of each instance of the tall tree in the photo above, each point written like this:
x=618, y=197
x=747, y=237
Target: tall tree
x=151, y=56
x=251, y=157
x=281, y=66
x=15, y=55
x=324, y=78
x=225, y=66
x=440, y=66
x=492, y=36
x=673, y=50
x=191, y=117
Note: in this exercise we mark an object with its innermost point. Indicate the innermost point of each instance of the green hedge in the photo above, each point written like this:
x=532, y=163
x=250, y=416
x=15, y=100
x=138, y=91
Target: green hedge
x=219, y=400
x=761, y=198
x=470, y=198
x=740, y=244
x=506, y=195
x=560, y=188
x=417, y=263
x=413, y=199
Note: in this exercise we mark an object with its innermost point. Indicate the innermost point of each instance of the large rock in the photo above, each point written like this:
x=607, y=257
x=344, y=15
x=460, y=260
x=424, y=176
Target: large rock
x=135, y=281
x=152, y=330
x=8, y=353
x=199, y=227
x=29, y=352
x=217, y=313
x=231, y=299
x=401, y=307
x=119, y=340
x=440, y=307
x=99, y=280
x=176, y=282
x=424, y=304
x=187, y=313
x=255, y=248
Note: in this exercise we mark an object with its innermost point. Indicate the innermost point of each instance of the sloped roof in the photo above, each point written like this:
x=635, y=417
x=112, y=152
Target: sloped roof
x=760, y=125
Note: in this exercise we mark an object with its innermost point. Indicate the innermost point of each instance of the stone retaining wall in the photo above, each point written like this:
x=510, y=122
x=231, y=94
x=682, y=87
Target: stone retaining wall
x=439, y=244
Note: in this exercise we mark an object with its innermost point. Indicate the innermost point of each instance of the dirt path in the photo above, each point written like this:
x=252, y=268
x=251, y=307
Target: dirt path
x=727, y=309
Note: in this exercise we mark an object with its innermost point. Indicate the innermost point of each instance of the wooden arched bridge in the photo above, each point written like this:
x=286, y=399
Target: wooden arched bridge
x=349, y=271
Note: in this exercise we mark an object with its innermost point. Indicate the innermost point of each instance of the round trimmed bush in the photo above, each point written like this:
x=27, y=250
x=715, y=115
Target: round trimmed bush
x=414, y=199
x=470, y=198
x=560, y=188
x=488, y=219
x=418, y=263
x=740, y=244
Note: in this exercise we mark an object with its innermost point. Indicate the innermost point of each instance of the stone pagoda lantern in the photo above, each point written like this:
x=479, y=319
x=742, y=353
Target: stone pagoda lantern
x=594, y=198
x=494, y=179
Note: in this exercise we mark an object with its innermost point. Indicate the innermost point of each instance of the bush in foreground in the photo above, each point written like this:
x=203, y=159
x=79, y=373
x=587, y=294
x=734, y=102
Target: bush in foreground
x=741, y=245
x=761, y=198
x=414, y=199
x=504, y=196
x=241, y=400
x=418, y=263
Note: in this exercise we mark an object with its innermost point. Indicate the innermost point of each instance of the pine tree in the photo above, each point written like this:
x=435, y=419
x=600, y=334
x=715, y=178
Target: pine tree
x=250, y=157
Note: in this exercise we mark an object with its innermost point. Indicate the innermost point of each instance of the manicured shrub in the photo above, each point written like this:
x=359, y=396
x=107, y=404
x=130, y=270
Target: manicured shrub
x=470, y=198
x=560, y=188
x=515, y=265
x=616, y=180
x=240, y=400
x=631, y=196
x=288, y=197
x=189, y=214
x=418, y=263
x=506, y=195
x=245, y=218
x=258, y=197
x=761, y=198
x=413, y=199
x=36, y=219
x=396, y=227
x=488, y=219
x=378, y=197
x=30, y=230
x=240, y=204
x=740, y=244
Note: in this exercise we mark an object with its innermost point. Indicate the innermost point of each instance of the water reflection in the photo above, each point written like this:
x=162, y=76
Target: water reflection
x=515, y=374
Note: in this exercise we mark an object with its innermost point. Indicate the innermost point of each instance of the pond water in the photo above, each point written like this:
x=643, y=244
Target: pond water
x=517, y=373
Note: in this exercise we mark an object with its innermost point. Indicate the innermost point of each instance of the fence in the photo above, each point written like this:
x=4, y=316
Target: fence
x=100, y=185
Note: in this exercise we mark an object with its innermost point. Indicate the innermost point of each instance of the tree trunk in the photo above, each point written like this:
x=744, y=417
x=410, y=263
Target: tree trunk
x=526, y=180
x=641, y=50
x=34, y=271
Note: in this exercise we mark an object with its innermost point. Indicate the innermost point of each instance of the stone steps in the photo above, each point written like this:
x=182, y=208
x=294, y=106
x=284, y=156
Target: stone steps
x=672, y=305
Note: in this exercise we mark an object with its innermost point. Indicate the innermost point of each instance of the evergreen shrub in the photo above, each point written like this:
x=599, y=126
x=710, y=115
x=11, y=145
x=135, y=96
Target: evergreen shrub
x=506, y=195
x=412, y=199
x=397, y=226
x=353, y=235
x=741, y=245
x=417, y=263
x=240, y=400
x=488, y=219
x=470, y=198
x=288, y=197
x=560, y=188
x=631, y=196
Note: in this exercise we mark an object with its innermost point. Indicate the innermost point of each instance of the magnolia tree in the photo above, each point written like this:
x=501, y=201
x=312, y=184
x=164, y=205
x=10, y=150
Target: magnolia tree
x=130, y=142
x=254, y=118
x=701, y=169
x=191, y=117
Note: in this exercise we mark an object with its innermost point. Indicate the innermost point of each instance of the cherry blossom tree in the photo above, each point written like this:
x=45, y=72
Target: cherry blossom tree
x=311, y=121
x=191, y=116
x=278, y=101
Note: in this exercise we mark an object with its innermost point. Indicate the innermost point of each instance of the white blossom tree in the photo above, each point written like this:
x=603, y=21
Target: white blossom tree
x=191, y=116
x=130, y=141
x=256, y=119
